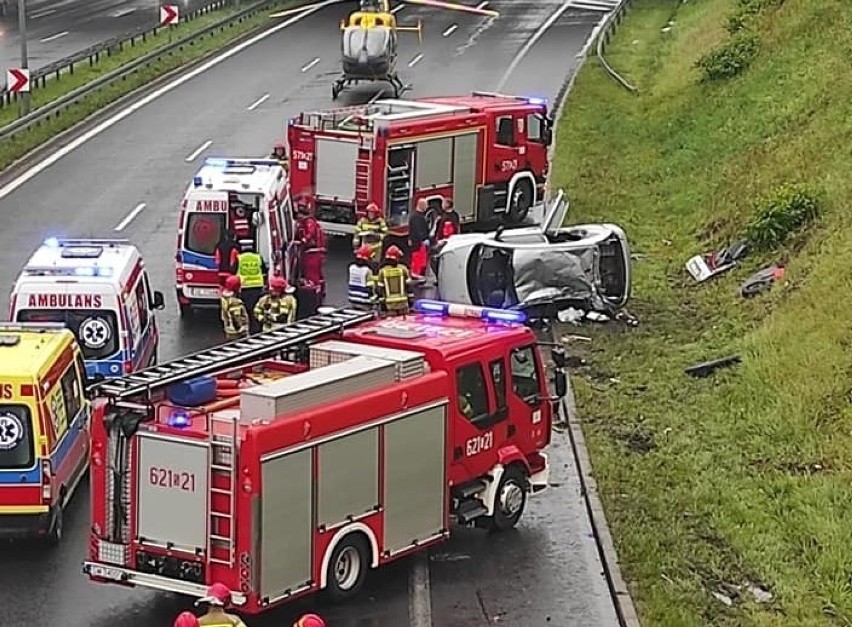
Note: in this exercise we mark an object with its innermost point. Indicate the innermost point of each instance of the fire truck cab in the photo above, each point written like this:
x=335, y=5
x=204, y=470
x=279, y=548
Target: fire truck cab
x=236, y=199
x=487, y=152
x=297, y=460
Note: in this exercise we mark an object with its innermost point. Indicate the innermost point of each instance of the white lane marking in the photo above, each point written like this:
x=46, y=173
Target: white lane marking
x=124, y=12
x=397, y=8
x=44, y=40
x=450, y=30
x=41, y=14
x=419, y=593
x=592, y=38
x=129, y=217
x=199, y=150
x=70, y=147
x=532, y=41
x=258, y=102
x=415, y=60
x=482, y=5
x=308, y=66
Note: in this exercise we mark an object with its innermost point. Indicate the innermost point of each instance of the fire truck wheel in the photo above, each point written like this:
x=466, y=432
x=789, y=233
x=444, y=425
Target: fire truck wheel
x=347, y=567
x=520, y=202
x=185, y=310
x=510, y=499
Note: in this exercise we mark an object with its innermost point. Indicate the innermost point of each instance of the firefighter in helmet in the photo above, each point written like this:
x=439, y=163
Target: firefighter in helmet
x=217, y=599
x=279, y=152
x=277, y=306
x=309, y=620
x=233, y=310
x=186, y=619
x=362, y=281
x=370, y=231
x=393, y=281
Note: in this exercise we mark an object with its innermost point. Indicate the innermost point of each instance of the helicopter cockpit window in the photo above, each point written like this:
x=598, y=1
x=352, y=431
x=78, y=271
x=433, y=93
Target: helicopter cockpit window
x=370, y=5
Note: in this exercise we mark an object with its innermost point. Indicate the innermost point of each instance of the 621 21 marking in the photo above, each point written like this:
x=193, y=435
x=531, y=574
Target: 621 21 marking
x=165, y=478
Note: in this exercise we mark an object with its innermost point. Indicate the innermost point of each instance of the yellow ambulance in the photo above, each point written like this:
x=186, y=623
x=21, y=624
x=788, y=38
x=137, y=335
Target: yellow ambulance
x=44, y=427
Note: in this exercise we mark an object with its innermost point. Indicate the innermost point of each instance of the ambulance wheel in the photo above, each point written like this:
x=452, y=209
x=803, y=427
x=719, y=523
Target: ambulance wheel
x=347, y=567
x=57, y=529
x=520, y=202
x=510, y=499
x=185, y=310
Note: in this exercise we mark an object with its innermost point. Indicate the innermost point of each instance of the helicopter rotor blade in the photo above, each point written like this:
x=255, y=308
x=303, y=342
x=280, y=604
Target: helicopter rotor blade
x=455, y=6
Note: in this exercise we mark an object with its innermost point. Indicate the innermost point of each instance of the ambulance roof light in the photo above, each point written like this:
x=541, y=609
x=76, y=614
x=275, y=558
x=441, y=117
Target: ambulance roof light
x=537, y=101
x=197, y=181
x=52, y=242
x=82, y=252
x=441, y=308
x=179, y=419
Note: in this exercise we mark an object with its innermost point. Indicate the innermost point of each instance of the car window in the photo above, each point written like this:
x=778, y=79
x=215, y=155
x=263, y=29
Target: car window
x=72, y=393
x=203, y=232
x=498, y=379
x=472, y=391
x=505, y=131
x=94, y=329
x=142, y=305
x=525, y=375
x=534, y=128
x=16, y=438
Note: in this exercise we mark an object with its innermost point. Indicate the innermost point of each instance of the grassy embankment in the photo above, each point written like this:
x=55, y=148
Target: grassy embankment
x=17, y=146
x=745, y=476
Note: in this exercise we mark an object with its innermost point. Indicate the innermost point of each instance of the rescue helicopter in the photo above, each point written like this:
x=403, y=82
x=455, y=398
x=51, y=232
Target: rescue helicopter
x=369, y=42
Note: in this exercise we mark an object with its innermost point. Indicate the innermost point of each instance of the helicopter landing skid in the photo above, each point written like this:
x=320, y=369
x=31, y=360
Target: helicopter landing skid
x=398, y=86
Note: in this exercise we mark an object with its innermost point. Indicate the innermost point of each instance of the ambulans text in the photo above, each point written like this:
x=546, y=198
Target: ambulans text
x=65, y=301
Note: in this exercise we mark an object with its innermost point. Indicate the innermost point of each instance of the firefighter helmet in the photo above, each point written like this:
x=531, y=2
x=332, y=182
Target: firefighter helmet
x=217, y=594
x=186, y=619
x=277, y=284
x=310, y=620
x=233, y=283
x=364, y=253
x=393, y=253
x=372, y=208
x=280, y=145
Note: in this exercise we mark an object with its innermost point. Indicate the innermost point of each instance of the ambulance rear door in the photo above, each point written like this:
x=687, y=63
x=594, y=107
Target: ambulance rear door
x=20, y=473
x=204, y=226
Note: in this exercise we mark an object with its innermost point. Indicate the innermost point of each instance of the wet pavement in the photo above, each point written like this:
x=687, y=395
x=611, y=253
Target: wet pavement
x=547, y=571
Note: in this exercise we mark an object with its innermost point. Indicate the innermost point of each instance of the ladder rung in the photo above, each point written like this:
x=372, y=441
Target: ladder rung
x=222, y=491
x=220, y=515
x=216, y=538
x=221, y=467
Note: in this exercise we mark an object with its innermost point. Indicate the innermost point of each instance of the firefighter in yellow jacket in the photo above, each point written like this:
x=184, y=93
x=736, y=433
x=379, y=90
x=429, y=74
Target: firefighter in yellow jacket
x=393, y=282
x=278, y=306
x=233, y=311
x=217, y=599
x=370, y=231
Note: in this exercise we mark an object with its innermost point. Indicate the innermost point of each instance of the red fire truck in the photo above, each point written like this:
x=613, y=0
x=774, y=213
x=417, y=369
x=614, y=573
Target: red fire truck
x=296, y=460
x=488, y=152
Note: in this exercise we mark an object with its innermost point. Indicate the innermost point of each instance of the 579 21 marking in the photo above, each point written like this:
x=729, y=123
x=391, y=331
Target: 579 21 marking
x=172, y=479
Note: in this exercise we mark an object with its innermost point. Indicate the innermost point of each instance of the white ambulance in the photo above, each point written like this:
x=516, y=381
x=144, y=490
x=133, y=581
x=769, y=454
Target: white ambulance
x=228, y=201
x=100, y=290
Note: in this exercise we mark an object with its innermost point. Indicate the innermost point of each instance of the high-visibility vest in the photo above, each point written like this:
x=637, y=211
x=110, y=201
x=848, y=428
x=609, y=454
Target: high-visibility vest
x=250, y=269
x=394, y=279
x=360, y=284
x=220, y=620
x=271, y=310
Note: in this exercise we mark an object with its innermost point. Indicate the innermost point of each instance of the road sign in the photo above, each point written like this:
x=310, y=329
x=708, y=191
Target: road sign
x=18, y=80
x=169, y=15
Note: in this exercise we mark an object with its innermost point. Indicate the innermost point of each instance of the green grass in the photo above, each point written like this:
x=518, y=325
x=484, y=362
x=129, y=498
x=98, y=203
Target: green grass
x=17, y=146
x=745, y=476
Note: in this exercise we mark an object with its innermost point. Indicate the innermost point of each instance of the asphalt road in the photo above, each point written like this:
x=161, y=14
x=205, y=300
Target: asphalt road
x=547, y=571
x=58, y=28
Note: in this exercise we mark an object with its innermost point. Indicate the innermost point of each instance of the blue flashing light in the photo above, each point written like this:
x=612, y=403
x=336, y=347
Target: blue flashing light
x=221, y=162
x=489, y=314
x=179, y=419
x=197, y=182
x=84, y=271
x=104, y=271
x=216, y=162
x=51, y=242
x=537, y=101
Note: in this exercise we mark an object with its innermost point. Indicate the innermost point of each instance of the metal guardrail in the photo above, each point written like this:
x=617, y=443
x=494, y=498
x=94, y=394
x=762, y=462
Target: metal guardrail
x=609, y=28
x=108, y=47
x=46, y=111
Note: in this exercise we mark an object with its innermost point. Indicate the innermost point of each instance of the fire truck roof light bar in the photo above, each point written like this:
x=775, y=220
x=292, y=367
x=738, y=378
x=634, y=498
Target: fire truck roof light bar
x=231, y=355
x=492, y=94
x=441, y=308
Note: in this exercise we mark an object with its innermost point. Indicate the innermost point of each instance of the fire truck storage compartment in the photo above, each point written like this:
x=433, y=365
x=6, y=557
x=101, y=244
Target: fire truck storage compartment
x=409, y=364
x=171, y=504
x=400, y=168
x=464, y=175
x=347, y=485
x=314, y=387
x=335, y=168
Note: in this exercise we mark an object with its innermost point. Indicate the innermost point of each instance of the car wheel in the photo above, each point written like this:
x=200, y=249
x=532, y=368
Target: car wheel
x=57, y=529
x=520, y=202
x=347, y=568
x=510, y=499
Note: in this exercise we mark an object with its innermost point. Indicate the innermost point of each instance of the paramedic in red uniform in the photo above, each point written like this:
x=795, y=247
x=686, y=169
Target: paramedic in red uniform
x=418, y=238
x=217, y=599
x=226, y=255
x=309, y=620
x=312, y=250
x=448, y=223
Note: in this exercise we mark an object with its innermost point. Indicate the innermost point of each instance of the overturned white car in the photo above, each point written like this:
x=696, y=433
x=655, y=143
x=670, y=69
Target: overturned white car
x=539, y=269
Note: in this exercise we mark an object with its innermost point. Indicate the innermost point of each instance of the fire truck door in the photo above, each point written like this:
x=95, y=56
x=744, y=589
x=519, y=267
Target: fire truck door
x=507, y=151
x=286, y=520
x=464, y=175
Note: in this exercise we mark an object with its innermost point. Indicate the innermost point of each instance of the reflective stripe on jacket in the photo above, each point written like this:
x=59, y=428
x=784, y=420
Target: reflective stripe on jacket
x=250, y=269
x=394, y=279
x=234, y=316
x=220, y=619
x=361, y=282
x=272, y=310
x=371, y=226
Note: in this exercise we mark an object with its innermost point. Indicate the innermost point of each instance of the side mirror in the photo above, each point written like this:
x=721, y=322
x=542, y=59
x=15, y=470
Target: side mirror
x=499, y=232
x=560, y=382
x=159, y=300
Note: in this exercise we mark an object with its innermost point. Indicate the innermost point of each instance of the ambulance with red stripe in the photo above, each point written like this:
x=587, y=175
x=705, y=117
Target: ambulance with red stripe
x=44, y=427
x=230, y=199
x=101, y=291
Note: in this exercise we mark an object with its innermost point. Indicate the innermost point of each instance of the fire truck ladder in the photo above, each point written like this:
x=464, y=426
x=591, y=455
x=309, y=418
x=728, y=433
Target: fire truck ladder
x=362, y=182
x=230, y=355
x=222, y=482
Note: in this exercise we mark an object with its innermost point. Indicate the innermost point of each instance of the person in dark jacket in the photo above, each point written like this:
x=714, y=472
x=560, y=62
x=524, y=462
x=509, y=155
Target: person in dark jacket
x=449, y=223
x=418, y=238
x=226, y=255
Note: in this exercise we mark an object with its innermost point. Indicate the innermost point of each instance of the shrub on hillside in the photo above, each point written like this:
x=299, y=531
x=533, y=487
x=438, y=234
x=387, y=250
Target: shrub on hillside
x=746, y=11
x=729, y=59
x=784, y=211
